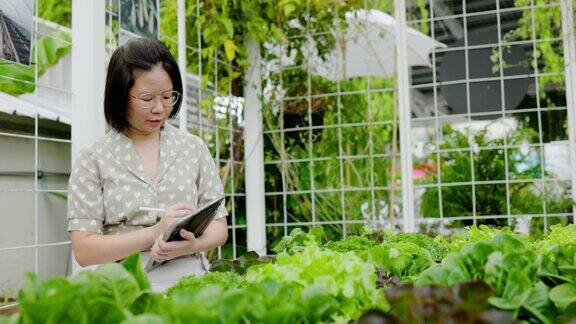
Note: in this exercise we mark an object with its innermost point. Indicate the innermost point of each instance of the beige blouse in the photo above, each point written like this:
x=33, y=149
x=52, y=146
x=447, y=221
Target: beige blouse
x=108, y=184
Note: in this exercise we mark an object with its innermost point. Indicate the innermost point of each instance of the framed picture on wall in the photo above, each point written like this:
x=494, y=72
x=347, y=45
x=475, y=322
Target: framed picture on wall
x=16, y=23
x=138, y=18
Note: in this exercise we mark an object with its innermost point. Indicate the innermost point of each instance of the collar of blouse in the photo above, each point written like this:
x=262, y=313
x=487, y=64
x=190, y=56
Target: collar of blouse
x=123, y=150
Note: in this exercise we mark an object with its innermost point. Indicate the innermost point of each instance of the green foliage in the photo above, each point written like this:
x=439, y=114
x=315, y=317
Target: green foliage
x=558, y=235
x=14, y=319
x=132, y=265
x=546, y=22
x=521, y=296
x=509, y=264
x=226, y=280
x=491, y=269
x=268, y=301
x=342, y=276
x=463, y=303
x=359, y=244
x=221, y=29
x=313, y=285
x=331, y=172
x=403, y=259
x=489, y=164
x=241, y=264
x=108, y=295
x=43, y=302
x=58, y=11
x=473, y=234
x=558, y=271
x=417, y=13
x=564, y=296
x=476, y=259
x=18, y=79
x=218, y=31
x=437, y=246
x=298, y=240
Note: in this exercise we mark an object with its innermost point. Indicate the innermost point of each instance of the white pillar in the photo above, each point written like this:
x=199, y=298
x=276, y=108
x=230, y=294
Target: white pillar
x=182, y=63
x=88, y=76
x=570, y=71
x=254, y=153
x=88, y=73
x=404, y=117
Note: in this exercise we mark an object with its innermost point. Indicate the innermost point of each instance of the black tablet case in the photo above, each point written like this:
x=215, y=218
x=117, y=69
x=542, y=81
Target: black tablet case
x=195, y=222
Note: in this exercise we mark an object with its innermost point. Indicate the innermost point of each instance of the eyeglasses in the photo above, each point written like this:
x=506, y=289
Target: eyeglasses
x=148, y=100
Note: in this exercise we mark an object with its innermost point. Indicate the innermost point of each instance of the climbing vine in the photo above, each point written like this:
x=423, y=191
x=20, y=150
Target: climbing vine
x=543, y=23
x=221, y=28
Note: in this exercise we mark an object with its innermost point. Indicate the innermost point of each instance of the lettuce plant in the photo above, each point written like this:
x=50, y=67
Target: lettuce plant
x=404, y=259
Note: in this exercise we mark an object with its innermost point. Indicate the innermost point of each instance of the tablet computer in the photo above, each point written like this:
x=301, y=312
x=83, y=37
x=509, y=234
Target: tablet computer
x=195, y=222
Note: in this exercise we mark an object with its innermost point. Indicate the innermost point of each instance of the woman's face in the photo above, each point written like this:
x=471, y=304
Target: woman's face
x=142, y=120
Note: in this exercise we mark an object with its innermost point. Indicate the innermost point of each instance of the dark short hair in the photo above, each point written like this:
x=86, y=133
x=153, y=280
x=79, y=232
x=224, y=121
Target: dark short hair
x=138, y=54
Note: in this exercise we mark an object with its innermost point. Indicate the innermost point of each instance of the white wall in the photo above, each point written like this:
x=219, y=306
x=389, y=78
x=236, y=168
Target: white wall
x=19, y=226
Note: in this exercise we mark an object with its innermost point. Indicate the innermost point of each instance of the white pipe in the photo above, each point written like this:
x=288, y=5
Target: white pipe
x=404, y=116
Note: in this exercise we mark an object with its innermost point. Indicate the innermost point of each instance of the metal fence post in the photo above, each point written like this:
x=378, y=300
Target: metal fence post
x=183, y=118
x=404, y=116
x=570, y=71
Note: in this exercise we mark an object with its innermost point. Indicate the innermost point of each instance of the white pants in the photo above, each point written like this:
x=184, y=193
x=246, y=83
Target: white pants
x=169, y=273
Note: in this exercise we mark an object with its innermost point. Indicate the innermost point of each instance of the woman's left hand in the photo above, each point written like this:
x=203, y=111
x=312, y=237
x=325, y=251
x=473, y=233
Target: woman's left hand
x=164, y=251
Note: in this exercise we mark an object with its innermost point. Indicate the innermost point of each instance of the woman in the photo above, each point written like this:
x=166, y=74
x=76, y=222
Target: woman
x=143, y=161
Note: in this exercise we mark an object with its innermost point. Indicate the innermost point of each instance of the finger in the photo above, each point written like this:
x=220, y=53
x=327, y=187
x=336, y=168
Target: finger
x=155, y=256
x=181, y=205
x=177, y=245
x=159, y=256
x=187, y=235
x=176, y=213
x=163, y=256
x=177, y=206
x=182, y=212
x=164, y=246
x=156, y=250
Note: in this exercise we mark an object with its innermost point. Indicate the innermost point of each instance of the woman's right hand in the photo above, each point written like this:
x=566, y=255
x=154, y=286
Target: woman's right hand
x=172, y=213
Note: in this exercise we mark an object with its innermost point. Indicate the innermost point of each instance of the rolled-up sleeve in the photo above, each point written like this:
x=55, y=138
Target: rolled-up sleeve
x=208, y=182
x=85, y=198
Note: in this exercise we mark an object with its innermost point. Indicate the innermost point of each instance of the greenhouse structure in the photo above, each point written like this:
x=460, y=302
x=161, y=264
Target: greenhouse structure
x=381, y=161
